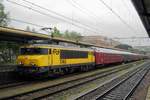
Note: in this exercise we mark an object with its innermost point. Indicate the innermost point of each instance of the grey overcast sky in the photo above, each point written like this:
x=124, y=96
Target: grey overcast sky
x=92, y=16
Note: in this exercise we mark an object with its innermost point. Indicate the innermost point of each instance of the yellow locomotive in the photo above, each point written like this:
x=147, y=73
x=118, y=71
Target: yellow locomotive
x=48, y=59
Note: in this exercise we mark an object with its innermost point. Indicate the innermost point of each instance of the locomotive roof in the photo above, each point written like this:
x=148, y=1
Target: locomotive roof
x=105, y=50
x=56, y=46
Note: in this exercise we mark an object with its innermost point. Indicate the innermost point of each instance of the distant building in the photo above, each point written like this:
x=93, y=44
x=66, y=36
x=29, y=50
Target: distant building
x=145, y=49
x=100, y=40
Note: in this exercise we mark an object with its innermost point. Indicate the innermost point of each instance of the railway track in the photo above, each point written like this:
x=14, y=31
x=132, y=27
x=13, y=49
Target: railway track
x=12, y=84
x=54, y=89
x=7, y=74
x=7, y=68
x=18, y=82
x=118, y=89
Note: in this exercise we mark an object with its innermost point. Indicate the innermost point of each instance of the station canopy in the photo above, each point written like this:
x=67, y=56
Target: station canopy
x=143, y=9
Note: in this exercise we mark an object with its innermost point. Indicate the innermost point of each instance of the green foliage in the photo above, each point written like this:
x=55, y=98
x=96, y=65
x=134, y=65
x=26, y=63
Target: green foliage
x=72, y=35
x=67, y=35
x=8, y=51
x=3, y=16
x=56, y=33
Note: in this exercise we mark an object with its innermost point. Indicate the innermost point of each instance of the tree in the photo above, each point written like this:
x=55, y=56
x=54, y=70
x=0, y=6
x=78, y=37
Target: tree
x=3, y=16
x=72, y=35
x=66, y=34
x=56, y=32
x=8, y=51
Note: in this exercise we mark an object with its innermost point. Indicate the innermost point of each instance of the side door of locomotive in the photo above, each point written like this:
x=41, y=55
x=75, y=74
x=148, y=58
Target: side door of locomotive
x=49, y=57
x=55, y=58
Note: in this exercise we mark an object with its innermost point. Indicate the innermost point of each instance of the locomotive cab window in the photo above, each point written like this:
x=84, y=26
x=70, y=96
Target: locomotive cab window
x=33, y=51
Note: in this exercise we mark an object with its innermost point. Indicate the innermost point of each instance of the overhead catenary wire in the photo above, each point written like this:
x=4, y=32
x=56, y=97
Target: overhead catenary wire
x=129, y=12
x=127, y=9
x=21, y=21
x=77, y=7
x=124, y=22
x=68, y=18
x=84, y=10
x=29, y=23
x=88, y=27
x=48, y=15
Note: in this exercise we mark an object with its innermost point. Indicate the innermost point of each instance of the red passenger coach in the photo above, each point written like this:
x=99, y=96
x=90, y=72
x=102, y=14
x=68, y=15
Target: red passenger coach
x=107, y=56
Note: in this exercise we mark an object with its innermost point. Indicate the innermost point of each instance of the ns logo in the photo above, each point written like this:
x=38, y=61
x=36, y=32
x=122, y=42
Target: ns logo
x=56, y=51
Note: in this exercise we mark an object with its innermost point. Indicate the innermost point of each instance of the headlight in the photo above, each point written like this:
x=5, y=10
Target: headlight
x=20, y=63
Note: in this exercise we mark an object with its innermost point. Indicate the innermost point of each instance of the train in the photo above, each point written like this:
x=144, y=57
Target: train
x=45, y=60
